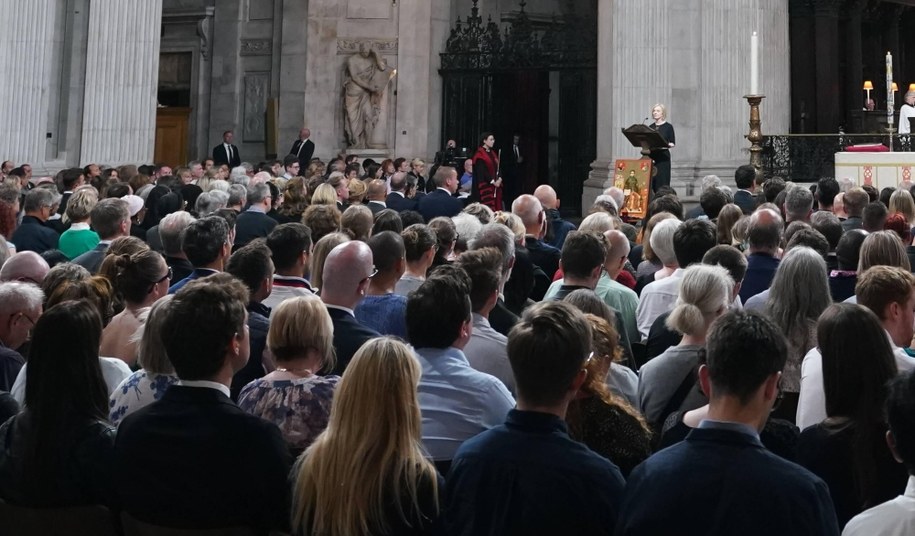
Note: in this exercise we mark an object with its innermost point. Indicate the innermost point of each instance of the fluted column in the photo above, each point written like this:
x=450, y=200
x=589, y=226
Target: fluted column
x=122, y=71
x=26, y=59
x=600, y=175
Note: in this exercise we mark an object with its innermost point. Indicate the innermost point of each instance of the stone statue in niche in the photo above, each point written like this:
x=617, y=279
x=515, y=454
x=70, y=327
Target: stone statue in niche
x=366, y=78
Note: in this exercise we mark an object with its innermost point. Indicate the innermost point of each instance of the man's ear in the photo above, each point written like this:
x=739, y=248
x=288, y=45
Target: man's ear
x=704, y=382
x=891, y=443
x=578, y=380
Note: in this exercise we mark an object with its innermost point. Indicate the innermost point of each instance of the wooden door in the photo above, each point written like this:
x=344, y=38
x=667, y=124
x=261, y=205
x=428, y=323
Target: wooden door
x=171, y=136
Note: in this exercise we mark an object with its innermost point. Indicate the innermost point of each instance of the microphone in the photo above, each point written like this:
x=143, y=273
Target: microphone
x=645, y=120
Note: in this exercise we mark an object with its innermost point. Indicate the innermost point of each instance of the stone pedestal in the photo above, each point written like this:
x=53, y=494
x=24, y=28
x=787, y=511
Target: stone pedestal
x=119, y=115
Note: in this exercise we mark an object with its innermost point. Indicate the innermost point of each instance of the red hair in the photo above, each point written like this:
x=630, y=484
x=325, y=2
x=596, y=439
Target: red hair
x=897, y=223
x=7, y=219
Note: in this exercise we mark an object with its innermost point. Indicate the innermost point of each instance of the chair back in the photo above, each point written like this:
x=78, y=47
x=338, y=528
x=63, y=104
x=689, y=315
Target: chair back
x=134, y=527
x=72, y=521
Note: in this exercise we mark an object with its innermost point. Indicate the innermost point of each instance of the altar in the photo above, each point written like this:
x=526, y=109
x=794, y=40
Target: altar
x=879, y=169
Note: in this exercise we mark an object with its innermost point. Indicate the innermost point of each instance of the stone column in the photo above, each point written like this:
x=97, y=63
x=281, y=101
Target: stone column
x=601, y=169
x=414, y=56
x=826, y=27
x=122, y=70
x=292, y=74
x=26, y=57
x=854, y=63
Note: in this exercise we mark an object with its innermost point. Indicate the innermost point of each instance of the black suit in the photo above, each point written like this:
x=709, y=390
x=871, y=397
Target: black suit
x=349, y=336
x=92, y=259
x=375, y=207
x=205, y=464
x=34, y=235
x=251, y=224
x=399, y=202
x=501, y=318
x=304, y=151
x=439, y=203
x=220, y=157
x=512, y=174
x=745, y=200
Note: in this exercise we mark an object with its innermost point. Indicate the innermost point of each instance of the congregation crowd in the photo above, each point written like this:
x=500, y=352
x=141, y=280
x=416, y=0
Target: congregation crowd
x=357, y=348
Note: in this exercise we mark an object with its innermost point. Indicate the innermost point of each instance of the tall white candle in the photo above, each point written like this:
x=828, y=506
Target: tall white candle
x=890, y=97
x=754, y=64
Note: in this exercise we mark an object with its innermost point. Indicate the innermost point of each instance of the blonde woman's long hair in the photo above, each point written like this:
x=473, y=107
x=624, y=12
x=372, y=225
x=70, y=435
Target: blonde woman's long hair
x=370, y=455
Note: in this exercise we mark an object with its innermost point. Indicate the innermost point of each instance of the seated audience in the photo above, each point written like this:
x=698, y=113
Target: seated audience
x=207, y=245
x=207, y=463
x=764, y=236
x=252, y=266
x=357, y=221
x=485, y=351
x=393, y=489
x=873, y=217
x=140, y=279
x=496, y=235
x=528, y=476
x=600, y=419
x=844, y=277
x=798, y=296
x=445, y=237
x=33, y=232
x=348, y=271
x=441, y=201
x=79, y=238
x=543, y=255
x=557, y=228
x=20, y=308
x=721, y=478
x=25, y=266
x=728, y=217
x=582, y=262
x=319, y=254
x=156, y=373
x=73, y=282
x=111, y=220
x=667, y=383
x=322, y=220
x=889, y=292
x=855, y=201
x=828, y=225
x=643, y=256
x=382, y=309
x=254, y=222
x=457, y=401
x=294, y=396
x=894, y=517
x=420, y=245
x=387, y=220
x=848, y=450
x=290, y=249
x=57, y=451
x=691, y=240
x=171, y=230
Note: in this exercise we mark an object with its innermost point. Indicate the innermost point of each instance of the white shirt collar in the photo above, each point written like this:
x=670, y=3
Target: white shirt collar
x=340, y=307
x=205, y=384
x=79, y=226
x=382, y=203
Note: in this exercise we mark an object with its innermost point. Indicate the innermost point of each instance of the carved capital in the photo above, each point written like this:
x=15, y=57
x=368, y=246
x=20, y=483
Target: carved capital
x=348, y=46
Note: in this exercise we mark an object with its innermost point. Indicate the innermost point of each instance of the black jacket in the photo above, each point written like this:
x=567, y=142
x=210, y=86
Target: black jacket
x=33, y=235
x=349, y=336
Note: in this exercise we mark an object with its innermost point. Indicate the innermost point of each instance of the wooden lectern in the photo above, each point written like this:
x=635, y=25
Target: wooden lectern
x=646, y=138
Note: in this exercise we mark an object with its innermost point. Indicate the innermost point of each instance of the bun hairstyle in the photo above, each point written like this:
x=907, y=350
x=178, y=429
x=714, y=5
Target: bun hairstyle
x=134, y=274
x=704, y=291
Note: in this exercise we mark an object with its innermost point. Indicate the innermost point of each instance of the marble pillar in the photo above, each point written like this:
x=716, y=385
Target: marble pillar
x=27, y=62
x=693, y=56
x=414, y=58
x=292, y=74
x=122, y=68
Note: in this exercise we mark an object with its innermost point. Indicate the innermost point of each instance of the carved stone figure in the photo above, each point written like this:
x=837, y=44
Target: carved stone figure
x=366, y=79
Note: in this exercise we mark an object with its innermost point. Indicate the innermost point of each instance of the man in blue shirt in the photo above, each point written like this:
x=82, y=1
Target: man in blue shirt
x=721, y=479
x=527, y=476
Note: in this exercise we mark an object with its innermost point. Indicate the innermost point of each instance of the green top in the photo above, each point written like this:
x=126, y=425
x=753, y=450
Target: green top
x=78, y=239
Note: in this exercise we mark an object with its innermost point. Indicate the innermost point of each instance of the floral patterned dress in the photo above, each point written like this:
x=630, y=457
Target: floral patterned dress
x=300, y=407
x=138, y=390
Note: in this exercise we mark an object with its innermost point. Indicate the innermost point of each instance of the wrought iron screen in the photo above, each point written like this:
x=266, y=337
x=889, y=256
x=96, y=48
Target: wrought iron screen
x=809, y=157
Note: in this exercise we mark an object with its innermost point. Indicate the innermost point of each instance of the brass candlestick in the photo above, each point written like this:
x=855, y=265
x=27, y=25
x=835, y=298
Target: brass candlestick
x=755, y=136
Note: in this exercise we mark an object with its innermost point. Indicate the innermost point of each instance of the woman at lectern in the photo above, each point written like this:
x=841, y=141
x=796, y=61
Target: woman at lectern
x=661, y=157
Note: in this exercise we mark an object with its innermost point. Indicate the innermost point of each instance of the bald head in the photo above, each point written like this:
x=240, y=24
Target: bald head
x=529, y=209
x=398, y=181
x=547, y=196
x=25, y=266
x=377, y=190
x=765, y=231
x=347, y=270
x=617, y=252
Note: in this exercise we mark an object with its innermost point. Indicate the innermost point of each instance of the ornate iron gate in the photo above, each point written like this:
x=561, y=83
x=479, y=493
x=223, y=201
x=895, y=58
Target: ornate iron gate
x=500, y=80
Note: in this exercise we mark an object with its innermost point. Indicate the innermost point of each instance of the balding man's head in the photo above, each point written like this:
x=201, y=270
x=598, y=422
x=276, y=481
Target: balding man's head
x=529, y=209
x=25, y=266
x=617, y=252
x=377, y=190
x=547, y=196
x=765, y=231
x=347, y=271
x=398, y=181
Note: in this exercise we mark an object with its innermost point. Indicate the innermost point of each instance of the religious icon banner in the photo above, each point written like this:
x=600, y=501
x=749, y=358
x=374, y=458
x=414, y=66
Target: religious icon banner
x=634, y=178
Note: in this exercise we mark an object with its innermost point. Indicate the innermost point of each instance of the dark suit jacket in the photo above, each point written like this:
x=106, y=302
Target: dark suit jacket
x=760, y=271
x=64, y=199
x=745, y=200
x=33, y=235
x=852, y=223
x=501, y=318
x=399, y=202
x=543, y=255
x=439, y=203
x=258, y=326
x=220, y=157
x=375, y=207
x=250, y=225
x=349, y=336
x=724, y=482
x=305, y=155
x=92, y=259
x=181, y=268
x=206, y=463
